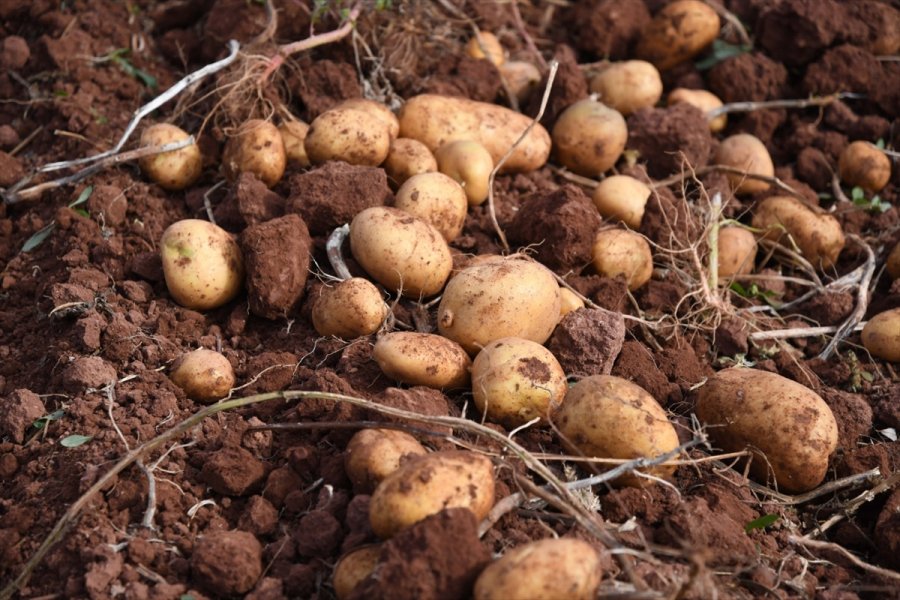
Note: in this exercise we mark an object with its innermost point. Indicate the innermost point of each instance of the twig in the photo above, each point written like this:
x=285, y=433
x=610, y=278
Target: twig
x=529, y=42
x=734, y=107
x=798, y=332
x=732, y=20
x=713, y=263
x=26, y=141
x=335, y=256
x=803, y=541
x=827, y=488
x=591, y=304
x=574, y=177
x=850, y=509
x=725, y=169
x=836, y=188
x=862, y=300
x=207, y=203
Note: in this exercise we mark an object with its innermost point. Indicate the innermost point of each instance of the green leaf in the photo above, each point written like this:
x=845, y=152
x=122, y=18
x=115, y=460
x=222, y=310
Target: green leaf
x=75, y=440
x=83, y=196
x=761, y=523
x=83, y=213
x=185, y=597
x=739, y=289
x=42, y=422
x=38, y=238
x=867, y=376
x=721, y=50
x=857, y=194
x=880, y=144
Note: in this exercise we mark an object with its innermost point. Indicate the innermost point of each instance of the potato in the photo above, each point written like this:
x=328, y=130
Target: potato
x=737, y=251
x=620, y=252
x=353, y=568
x=377, y=110
x=204, y=375
x=609, y=417
x=516, y=380
x=435, y=120
x=589, y=137
x=258, y=148
x=622, y=197
x=789, y=428
x=373, y=454
x=862, y=164
x=746, y=153
x=422, y=359
x=678, y=32
x=402, y=252
x=428, y=484
x=437, y=199
x=173, y=170
x=569, y=302
x=468, y=163
x=702, y=99
x=485, y=44
x=544, y=570
x=408, y=157
x=348, y=134
x=521, y=78
x=499, y=298
x=818, y=235
x=892, y=263
x=881, y=335
x=202, y=264
x=293, y=133
x=627, y=86
x=348, y=310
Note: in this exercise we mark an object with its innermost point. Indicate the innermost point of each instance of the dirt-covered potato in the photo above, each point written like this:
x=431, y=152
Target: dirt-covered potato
x=202, y=264
x=499, y=298
x=485, y=44
x=422, y=359
x=748, y=154
x=702, y=99
x=678, y=32
x=620, y=252
x=737, y=251
x=408, y=157
x=622, y=197
x=468, y=163
x=400, y=251
x=521, y=77
x=569, y=302
x=293, y=133
x=377, y=110
x=544, y=570
x=609, y=417
x=437, y=199
x=788, y=427
x=353, y=568
x=818, y=235
x=862, y=164
x=881, y=335
x=426, y=485
x=349, y=309
x=627, y=86
x=373, y=454
x=173, y=170
x=204, y=375
x=258, y=148
x=589, y=137
x=354, y=136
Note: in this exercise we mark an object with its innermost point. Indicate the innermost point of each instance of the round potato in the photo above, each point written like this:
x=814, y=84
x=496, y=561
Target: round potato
x=354, y=136
x=204, y=375
x=737, y=251
x=173, y=170
x=348, y=310
x=627, y=86
x=353, y=568
x=746, y=153
x=881, y=335
x=787, y=426
x=862, y=164
x=422, y=359
x=589, y=137
x=258, y=148
x=468, y=163
x=485, y=44
x=622, y=197
x=437, y=199
x=377, y=110
x=569, y=302
x=678, y=32
x=408, y=157
x=819, y=236
x=373, y=454
x=293, y=133
x=702, y=99
x=202, y=264
x=620, y=252
x=521, y=77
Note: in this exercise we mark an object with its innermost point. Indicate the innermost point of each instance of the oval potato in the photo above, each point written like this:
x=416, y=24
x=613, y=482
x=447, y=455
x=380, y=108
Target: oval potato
x=437, y=199
x=621, y=252
x=293, y=133
x=408, y=157
x=485, y=44
x=627, y=86
x=204, y=375
x=748, y=154
x=468, y=163
x=569, y=302
x=258, y=148
x=349, y=309
x=422, y=359
x=737, y=251
x=373, y=454
x=881, y=335
x=589, y=137
x=702, y=99
x=521, y=77
x=819, y=236
x=173, y=170
x=353, y=568
x=622, y=197
x=678, y=32
x=377, y=110
x=892, y=263
x=354, y=136
x=862, y=164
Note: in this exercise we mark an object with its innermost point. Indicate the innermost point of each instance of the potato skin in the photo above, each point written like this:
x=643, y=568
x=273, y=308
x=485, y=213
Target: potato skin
x=350, y=309
x=622, y=197
x=173, y=170
x=204, y=375
x=737, y=251
x=568, y=302
x=408, y=157
x=377, y=110
x=818, y=235
x=437, y=199
x=521, y=77
x=422, y=359
x=747, y=153
x=621, y=252
x=589, y=137
x=258, y=148
x=348, y=134
x=486, y=45
x=468, y=163
x=373, y=454
x=788, y=423
x=881, y=335
x=702, y=99
x=892, y=263
x=352, y=568
x=293, y=133
x=627, y=86
x=427, y=485
x=862, y=164
x=678, y=32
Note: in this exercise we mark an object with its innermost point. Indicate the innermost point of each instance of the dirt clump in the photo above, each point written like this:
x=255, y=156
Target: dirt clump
x=587, y=341
x=670, y=139
x=227, y=562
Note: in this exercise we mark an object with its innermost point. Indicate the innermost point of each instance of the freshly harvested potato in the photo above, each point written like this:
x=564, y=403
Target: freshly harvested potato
x=521, y=78
x=544, y=570
x=435, y=120
x=609, y=417
x=348, y=310
x=621, y=252
x=892, y=264
x=401, y=251
x=485, y=44
x=293, y=133
x=737, y=251
x=408, y=157
x=516, y=380
x=423, y=359
x=258, y=148
x=819, y=236
x=787, y=426
x=204, y=375
x=862, y=164
x=437, y=199
x=627, y=86
x=881, y=335
x=502, y=297
x=468, y=163
x=702, y=99
x=353, y=568
x=373, y=454
x=348, y=134
x=377, y=110
x=748, y=154
x=622, y=197
x=173, y=170
x=568, y=302
x=426, y=485
x=202, y=264
x=589, y=137
x=678, y=32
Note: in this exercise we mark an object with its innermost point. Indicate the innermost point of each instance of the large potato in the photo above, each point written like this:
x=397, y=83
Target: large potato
x=862, y=164
x=748, y=154
x=408, y=157
x=353, y=568
x=468, y=163
x=422, y=359
x=619, y=252
x=609, y=417
x=258, y=148
x=881, y=335
x=627, y=86
x=173, y=170
x=819, y=236
x=204, y=375
x=622, y=197
x=678, y=32
x=702, y=99
x=437, y=199
x=377, y=110
x=373, y=454
x=737, y=251
x=789, y=428
x=349, y=309
x=589, y=137
x=348, y=134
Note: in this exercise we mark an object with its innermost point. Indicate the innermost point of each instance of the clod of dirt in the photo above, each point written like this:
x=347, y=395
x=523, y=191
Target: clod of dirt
x=108, y=202
x=14, y=53
x=873, y=25
x=88, y=372
x=477, y=79
x=11, y=170
x=851, y=69
x=852, y=413
x=812, y=167
x=887, y=531
x=324, y=84
x=421, y=400
x=248, y=202
x=635, y=363
x=732, y=337
x=830, y=308
x=259, y=516
x=796, y=31
x=318, y=534
x=569, y=87
x=230, y=20
x=226, y=563
x=886, y=405
x=233, y=471
x=606, y=28
x=695, y=523
x=587, y=341
x=867, y=127
x=9, y=137
x=670, y=139
x=748, y=77
x=18, y=411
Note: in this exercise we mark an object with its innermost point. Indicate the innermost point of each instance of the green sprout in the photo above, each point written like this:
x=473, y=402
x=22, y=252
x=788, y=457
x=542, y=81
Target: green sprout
x=875, y=204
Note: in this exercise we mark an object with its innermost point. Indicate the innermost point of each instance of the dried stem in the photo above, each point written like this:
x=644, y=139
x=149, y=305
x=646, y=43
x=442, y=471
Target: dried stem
x=725, y=169
x=335, y=256
x=822, y=490
x=529, y=42
x=732, y=20
x=803, y=541
x=854, y=505
x=798, y=332
x=734, y=107
x=862, y=300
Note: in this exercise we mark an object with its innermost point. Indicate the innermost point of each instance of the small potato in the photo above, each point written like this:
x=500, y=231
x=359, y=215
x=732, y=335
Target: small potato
x=568, y=302
x=353, y=568
x=204, y=375
x=294, y=135
x=428, y=484
x=437, y=199
x=521, y=77
x=423, y=359
x=678, y=32
x=173, y=170
x=737, y=251
x=485, y=44
x=516, y=380
x=892, y=264
x=746, y=153
x=620, y=252
x=627, y=86
x=377, y=110
x=400, y=251
x=351, y=309
x=348, y=134
x=544, y=570
x=257, y=148
x=788, y=427
x=622, y=197
x=609, y=417
x=862, y=164
x=589, y=137
x=202, y=264
x=819, y=236
x=468, y=163
x=881, y=335
x=373, y=454
x=408, y=157
x=702, y=99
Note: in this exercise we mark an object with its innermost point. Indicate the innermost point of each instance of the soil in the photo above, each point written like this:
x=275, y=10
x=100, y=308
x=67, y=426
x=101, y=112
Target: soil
x=243, y=507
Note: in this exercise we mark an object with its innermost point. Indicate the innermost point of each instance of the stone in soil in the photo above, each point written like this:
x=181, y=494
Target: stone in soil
x=587, y=341
x=225, y=563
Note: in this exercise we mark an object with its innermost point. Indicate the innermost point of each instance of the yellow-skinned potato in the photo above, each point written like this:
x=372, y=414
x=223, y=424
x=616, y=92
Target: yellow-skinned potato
x=678, y=32
x=627, y=86
x=400, y=251
x=437, y=199
x=373, y=454
x=819, y=236
x=204, y=375
x=609, y=417
x=589, y=137
x=748, y=154
x=348, y=134
x=353, y=568
x=202, y=264
x=862, y=164
x=485, y=44
x=293, y=133
x=790, y=429
x=569, y=302
x=408, y=157
x=620, y=252
x=173, y=170
x=428, y=484
x=349, y=309
x=702, y=99
x=737, y=251
x=892, y=264
x=258, y=148
x=422, y=359
x=521, y=77
x=468, y=163
x=377, y=110
x=516, y=380
x=881, y=335
x=622, y=197
x=544, y=570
